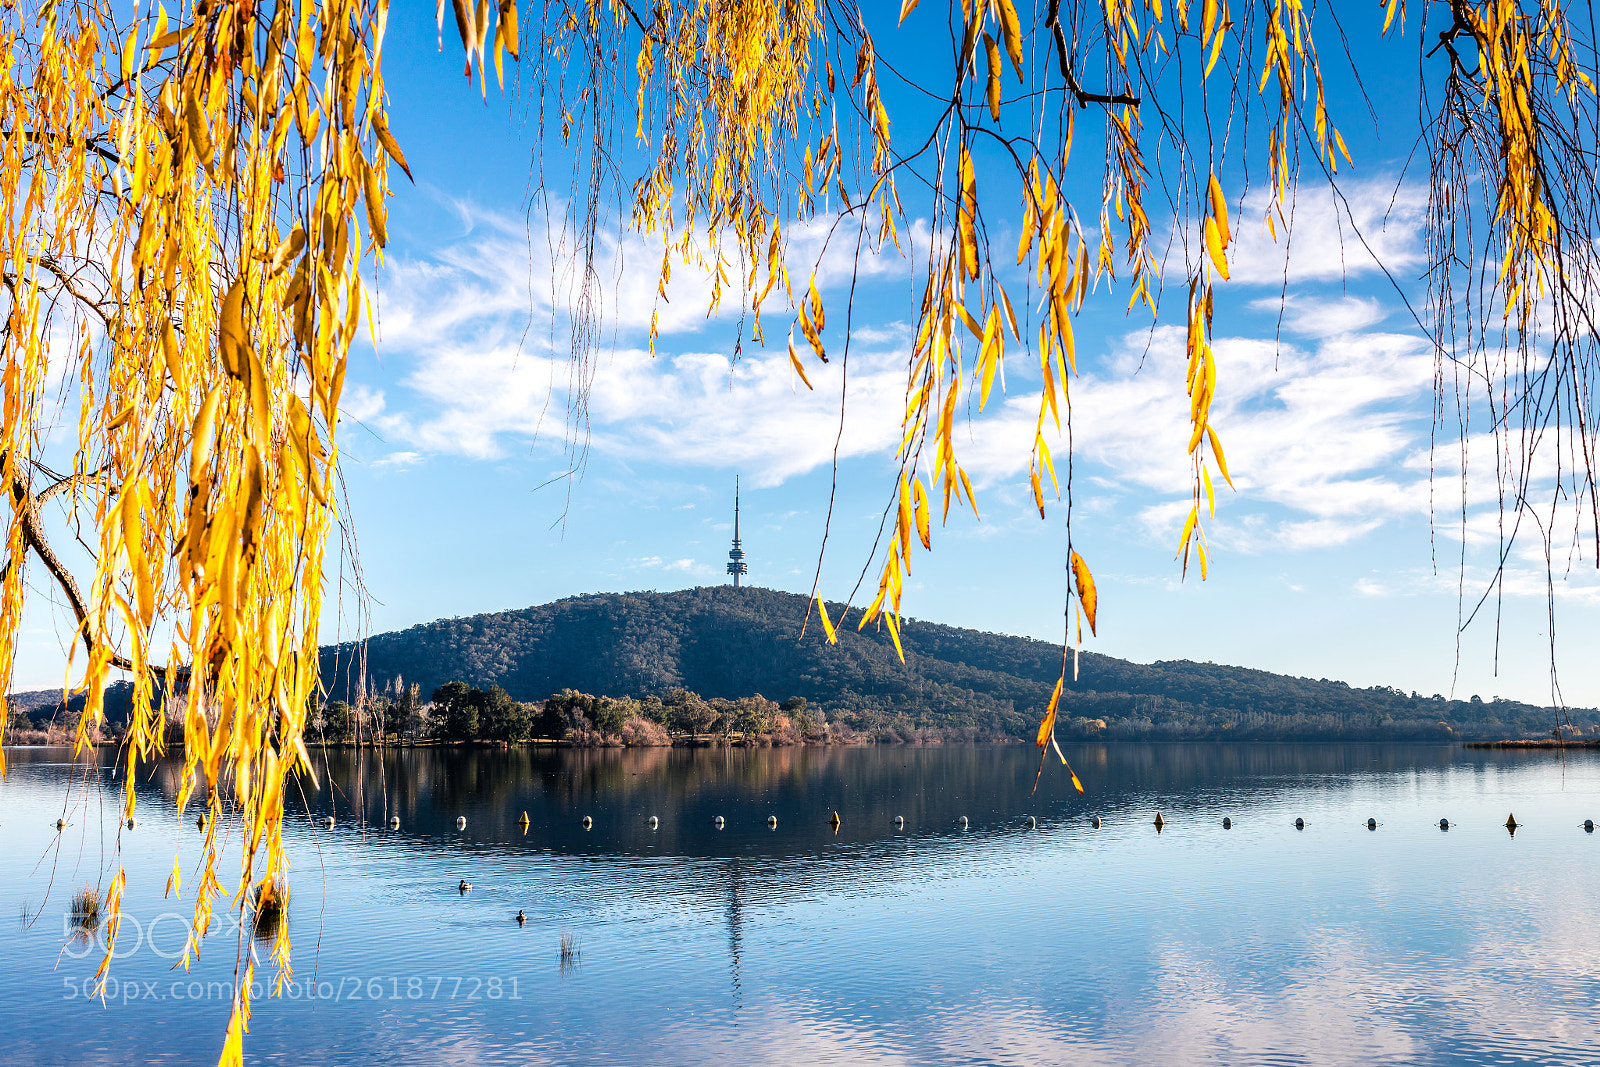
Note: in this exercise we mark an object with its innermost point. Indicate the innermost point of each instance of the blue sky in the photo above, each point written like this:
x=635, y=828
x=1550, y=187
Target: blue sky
x=456, y=441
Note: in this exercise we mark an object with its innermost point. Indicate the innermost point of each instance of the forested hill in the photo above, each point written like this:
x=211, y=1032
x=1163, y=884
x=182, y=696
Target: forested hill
x=720, y=641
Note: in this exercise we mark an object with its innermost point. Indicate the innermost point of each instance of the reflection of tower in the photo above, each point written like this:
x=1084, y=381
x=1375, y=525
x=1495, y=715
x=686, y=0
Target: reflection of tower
x=736, y=934
x=736, y=564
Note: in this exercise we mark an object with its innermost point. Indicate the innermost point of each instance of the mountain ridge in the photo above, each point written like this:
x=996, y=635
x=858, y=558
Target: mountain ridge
x=721, y=641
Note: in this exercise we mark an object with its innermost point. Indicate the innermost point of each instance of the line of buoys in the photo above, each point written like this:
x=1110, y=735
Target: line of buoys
x=720, y=822
x=461, y=822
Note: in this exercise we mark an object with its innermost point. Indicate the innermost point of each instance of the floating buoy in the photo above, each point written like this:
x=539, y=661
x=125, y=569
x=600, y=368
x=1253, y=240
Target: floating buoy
x=1033, y=824
x=464, y=886
x=524, y=820
x=394, y=822
x=61, y=824
x=461, y=822
x=588, y=823
x=654, y=822
x=1372, y=824
x=1444, y=824
x=1095, y=822
x=200, y=821
x=835, y=819
x=1511, y=823
x=899, y=821
x=1299, y=824
x=963, y=822
x=131, y=822
x=327, y=823
x=521, y=918
x=718, y=821
x=772, y=822
x=1227, y=823
x=1160, y=822
x=1588, y=825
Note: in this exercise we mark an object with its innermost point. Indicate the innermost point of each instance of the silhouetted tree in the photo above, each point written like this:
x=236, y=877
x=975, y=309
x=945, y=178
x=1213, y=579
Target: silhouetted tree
x=458, y=715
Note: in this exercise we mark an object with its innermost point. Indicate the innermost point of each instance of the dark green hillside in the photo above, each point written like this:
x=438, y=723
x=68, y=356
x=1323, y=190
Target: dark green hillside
x=724, y=642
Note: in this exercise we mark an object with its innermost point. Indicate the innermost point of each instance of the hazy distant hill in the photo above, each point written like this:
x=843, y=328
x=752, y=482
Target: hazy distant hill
x=46, y=704
x=725, y=642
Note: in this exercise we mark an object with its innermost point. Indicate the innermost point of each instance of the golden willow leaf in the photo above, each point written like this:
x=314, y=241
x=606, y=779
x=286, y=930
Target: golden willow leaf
x=827, y=623
x=380, y=126
x=906, y=8
x=1222, y=461
x=1087, y=596
x=920, y=509
x=1215, y=247
x=1047, y=725
x=508, y=34
x=1011, y=30
x=968, y=214
x=1219, y=210
x=794, y=361
x=991, y=53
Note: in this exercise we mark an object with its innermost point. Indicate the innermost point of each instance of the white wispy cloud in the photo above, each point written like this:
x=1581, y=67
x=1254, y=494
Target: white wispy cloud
x=1323, y=429
x=1360, y=229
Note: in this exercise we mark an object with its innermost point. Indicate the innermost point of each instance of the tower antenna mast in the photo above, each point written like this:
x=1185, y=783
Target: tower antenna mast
x=736, y=564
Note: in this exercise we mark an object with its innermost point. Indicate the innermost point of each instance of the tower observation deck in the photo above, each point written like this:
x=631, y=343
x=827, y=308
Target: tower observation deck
x=736, y=564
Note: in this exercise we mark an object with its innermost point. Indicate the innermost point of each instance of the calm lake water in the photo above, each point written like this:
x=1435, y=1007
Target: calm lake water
x=932, y=944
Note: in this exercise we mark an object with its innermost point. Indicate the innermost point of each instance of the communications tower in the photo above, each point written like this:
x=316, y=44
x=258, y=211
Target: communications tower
x=736, y=564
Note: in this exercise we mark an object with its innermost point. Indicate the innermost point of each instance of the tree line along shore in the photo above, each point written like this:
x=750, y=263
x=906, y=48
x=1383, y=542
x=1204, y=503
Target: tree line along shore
x=458, y=713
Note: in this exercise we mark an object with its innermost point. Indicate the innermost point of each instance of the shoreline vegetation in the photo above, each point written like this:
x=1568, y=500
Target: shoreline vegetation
x=460, y=715
x=1535, y=742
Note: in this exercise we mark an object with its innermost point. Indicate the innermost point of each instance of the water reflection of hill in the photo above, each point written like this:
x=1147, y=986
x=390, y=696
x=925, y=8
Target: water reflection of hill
x=932, y=787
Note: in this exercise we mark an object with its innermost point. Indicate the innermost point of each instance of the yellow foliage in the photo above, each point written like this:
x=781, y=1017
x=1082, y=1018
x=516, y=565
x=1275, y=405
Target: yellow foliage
x=178, y=193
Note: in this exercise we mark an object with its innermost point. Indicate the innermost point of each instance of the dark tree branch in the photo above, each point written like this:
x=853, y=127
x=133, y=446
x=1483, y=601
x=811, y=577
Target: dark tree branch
x=33, y=534
x=1084, y=98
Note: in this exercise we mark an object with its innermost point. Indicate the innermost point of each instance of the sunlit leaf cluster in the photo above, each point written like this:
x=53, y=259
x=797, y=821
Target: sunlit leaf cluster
x=188, y=195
